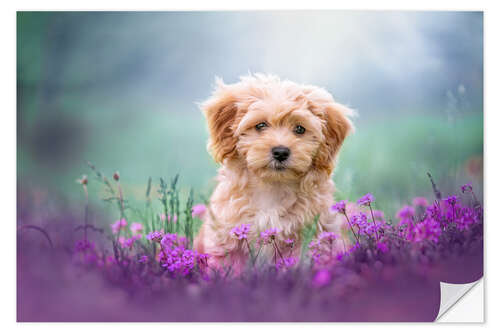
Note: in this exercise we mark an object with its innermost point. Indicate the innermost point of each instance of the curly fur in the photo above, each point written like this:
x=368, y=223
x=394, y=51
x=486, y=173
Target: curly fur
x=249, y=187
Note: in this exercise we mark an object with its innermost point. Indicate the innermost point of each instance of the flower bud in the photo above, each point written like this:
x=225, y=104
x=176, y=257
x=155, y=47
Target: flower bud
x=84, y=180
x=116, y=176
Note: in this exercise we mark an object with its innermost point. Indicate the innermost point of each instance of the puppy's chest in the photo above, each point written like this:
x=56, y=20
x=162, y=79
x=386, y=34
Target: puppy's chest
x=273, y=207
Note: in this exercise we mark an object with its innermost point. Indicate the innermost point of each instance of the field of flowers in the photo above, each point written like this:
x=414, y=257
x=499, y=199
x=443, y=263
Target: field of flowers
x=147, y=270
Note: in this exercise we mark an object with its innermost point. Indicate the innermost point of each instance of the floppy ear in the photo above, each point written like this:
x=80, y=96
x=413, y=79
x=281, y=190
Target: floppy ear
x=336, y=127
x=220, y=111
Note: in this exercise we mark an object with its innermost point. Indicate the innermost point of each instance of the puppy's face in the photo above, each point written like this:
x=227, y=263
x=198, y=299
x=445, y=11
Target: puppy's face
x=279, y=130
x=278, y=138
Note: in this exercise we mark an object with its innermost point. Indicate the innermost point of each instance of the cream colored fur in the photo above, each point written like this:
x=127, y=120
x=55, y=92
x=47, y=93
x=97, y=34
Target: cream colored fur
x=249, y=187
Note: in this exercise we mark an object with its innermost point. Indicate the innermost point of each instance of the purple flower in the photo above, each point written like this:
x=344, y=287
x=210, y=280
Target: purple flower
x=429, y=229
x=203, y=258
x=382, y=247
x=360, y=220
x=327, y=236
x=168, y=240
x=118, y=225
x=155, y=236
x=366, y=200
x=286, y=262
x=341, y=255
x=354, y=248
x=198, y=210
x=178, y=260
x=268, y=235
x=406, y=215
x=371, y=229
x=321, y=249
x=434, y=211
x=314, y=243
x=321, y=278
x=406, y=212
x=451, y=200
x=339, y=206
x=127, y=243
x=143, y=259
x=466, y=188
x=241, y=232
x=290, y=242
x=466, y=218
x=420, y=202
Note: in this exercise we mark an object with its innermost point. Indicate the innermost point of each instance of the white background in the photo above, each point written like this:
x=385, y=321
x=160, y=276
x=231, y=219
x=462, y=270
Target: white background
x=8, y=156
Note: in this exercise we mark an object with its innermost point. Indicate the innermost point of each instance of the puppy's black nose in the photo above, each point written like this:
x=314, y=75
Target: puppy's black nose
x=280, y=153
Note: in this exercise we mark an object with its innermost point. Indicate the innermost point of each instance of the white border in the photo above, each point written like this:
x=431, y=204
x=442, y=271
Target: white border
x=8, y=152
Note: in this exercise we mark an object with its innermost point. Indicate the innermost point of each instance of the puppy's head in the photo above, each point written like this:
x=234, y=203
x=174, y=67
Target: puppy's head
x=279, y=129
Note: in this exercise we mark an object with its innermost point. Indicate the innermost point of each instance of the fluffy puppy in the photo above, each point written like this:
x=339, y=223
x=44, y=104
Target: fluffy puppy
x=277, y=143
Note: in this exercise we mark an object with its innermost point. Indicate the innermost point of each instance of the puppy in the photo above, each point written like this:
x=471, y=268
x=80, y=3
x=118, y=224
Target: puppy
x=277, y=143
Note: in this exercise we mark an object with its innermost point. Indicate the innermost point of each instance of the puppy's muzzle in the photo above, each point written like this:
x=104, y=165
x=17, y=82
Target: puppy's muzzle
x=280, y=153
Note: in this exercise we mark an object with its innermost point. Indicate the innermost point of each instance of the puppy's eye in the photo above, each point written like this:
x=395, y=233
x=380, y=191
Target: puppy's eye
x=260, y=126
x=299, y=129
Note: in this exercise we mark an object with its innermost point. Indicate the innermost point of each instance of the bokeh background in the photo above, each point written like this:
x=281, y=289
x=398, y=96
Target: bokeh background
x=120, y=89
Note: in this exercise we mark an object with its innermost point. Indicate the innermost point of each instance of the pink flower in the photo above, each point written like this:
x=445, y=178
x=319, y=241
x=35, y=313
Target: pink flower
x=198, y=210
x=241, y=232
x=120, y=224
x=136, y=228
x=143, y=259
x=127, y=243
x=121, y=240
x=366, y=200
x=269, y=234
x=420, y=202
x=339, y=207
x=286, y=262
x=405, y=214
x=321, y=278
x=451, y=200
x=327, y=236
x=162, y=218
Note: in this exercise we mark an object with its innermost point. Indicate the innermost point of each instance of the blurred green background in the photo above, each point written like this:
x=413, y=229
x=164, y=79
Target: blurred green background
x=120, y=89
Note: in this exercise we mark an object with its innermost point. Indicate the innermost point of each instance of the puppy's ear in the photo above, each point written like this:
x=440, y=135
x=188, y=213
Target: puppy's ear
x=220, y=111
x=336, y=126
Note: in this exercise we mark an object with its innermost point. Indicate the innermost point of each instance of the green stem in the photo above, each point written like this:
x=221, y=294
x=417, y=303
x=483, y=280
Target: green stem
x=349, y=223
